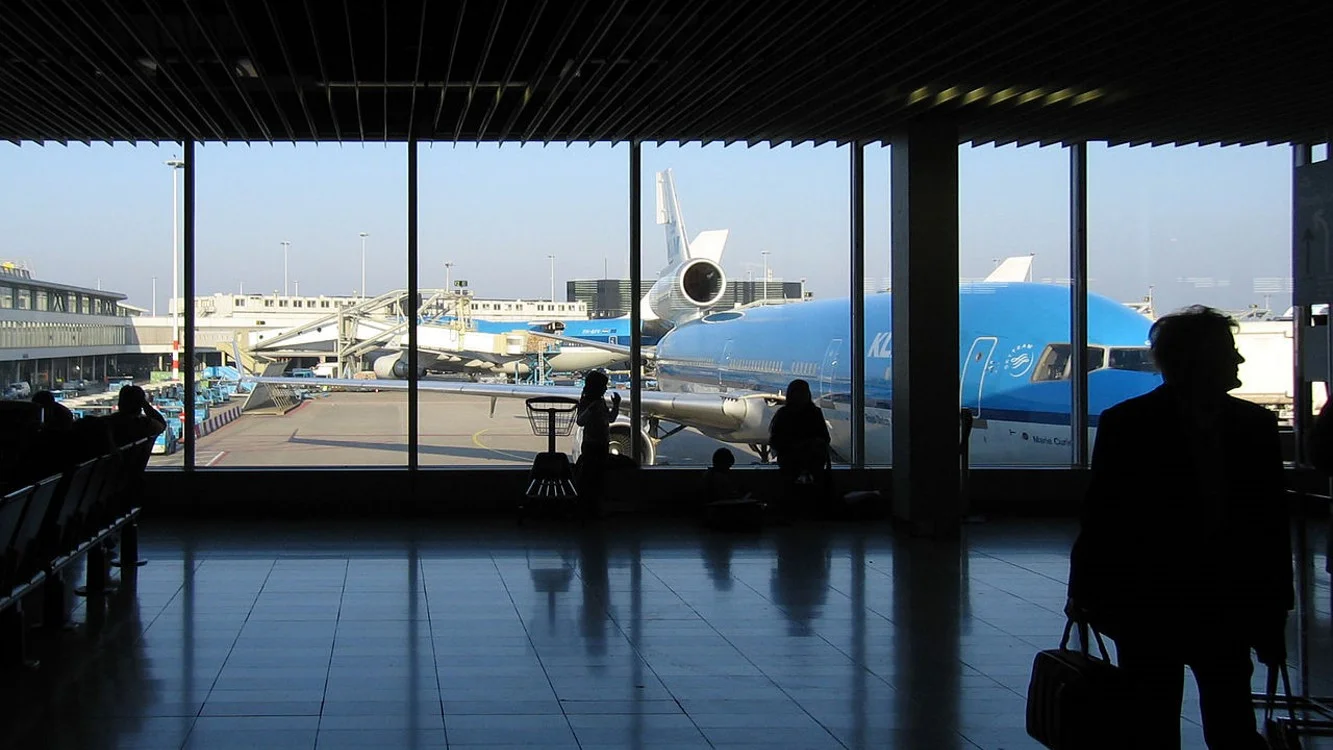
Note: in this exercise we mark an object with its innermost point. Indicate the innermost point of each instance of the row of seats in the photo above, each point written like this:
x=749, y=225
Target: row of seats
x=49, y=526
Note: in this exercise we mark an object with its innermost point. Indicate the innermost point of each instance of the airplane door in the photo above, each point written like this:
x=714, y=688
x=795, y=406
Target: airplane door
x=975, y=367
x=828, y=370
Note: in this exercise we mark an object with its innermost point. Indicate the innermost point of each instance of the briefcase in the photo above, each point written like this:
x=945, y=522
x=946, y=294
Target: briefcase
x=1077, y=700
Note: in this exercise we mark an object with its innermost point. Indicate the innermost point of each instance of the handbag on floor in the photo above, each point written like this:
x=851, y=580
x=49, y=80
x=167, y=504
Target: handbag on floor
x=1076, y=699
x=1280, y=733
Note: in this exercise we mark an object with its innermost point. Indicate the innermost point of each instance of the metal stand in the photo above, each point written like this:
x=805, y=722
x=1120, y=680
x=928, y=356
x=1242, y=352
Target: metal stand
x=552, y=476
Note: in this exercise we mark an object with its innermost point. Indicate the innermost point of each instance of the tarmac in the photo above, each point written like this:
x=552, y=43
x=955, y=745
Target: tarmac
x=370, y=429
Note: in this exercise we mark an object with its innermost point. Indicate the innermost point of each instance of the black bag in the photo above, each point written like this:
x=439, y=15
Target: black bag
x=1076, y=700
x=1281, y=734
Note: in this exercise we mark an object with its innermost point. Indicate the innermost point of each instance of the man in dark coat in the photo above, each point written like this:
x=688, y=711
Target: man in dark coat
x=1184, y=557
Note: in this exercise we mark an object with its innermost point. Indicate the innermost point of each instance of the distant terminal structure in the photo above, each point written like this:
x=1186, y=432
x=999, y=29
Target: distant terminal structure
x=54, y=334
x=610, y=298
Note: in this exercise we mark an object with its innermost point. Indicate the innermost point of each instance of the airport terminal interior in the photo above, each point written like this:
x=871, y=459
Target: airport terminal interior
x=366, y=518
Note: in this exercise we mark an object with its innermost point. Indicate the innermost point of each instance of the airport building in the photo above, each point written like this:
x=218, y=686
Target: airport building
x=411, y=560
x=54, y=334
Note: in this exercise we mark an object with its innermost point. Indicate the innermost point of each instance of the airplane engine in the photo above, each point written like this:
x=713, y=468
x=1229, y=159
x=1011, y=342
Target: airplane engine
x=393, y=367
x=623, y=436
x=689, y=289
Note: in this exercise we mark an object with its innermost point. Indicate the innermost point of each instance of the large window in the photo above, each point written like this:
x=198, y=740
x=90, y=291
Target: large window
x=280, y=228
x=783, y=312
x=80, y=222
x=1173, y=227
x=506, y=234
x=1014, y=337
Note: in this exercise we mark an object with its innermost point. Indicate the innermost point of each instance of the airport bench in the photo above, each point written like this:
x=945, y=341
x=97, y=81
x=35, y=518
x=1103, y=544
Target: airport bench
x=48, y=527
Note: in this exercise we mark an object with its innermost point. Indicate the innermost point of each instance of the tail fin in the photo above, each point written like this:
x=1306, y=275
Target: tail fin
x=708, y=245
x=669, y=215
x=1016, y=268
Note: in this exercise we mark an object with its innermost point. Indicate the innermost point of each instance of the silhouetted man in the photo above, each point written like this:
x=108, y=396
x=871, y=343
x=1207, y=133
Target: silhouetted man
x=135, y=417
x=55, y=416
x=1184, y=557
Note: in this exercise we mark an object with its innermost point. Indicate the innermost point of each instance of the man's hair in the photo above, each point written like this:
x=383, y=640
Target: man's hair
x=723, y=458
x=131, y=397
x=1176, y=338
x=44, y=398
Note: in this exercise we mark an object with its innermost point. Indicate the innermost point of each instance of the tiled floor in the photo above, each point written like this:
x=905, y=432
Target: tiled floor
x=417, y=635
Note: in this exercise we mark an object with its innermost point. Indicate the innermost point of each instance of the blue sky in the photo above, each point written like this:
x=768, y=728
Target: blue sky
x=1208, y=225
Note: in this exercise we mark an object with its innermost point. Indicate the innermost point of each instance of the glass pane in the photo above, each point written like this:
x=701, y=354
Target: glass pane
x=1014, y=370
x=288, y=248
x=878, y=310
x=512, y=240
x=781, y=313
x=1173, y=227
x=77, y=282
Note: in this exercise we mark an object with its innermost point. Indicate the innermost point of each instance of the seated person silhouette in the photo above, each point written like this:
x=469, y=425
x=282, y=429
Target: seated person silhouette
x=799, y=438
x=719, y=481
x=1184, y=555
x=135, y=417
x=54, y=414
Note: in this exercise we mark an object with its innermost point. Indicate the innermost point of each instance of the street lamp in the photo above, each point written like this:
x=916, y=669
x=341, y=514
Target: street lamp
x=765, y=254
x=285, y=244
x=174, y=308
x=363, y=263
x=448, y=276
x=552, y=259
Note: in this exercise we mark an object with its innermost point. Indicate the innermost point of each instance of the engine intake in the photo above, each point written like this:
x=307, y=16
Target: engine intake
x=687, y=290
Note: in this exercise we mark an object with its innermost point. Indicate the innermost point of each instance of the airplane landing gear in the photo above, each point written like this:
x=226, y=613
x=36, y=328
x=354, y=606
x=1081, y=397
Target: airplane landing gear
x=763, y=450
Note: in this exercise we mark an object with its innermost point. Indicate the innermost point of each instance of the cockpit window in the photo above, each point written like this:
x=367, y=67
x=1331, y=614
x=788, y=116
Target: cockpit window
x=1136, y=358
x=1054, y=362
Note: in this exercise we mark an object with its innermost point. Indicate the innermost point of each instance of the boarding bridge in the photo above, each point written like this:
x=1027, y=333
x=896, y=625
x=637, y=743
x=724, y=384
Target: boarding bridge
x=358, y=335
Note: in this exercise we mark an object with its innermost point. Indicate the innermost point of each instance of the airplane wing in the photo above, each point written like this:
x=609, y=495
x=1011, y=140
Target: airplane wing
x=603, y=345
x=706, y=410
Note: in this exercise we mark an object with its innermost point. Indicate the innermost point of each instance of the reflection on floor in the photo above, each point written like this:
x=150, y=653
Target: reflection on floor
x=401, y=635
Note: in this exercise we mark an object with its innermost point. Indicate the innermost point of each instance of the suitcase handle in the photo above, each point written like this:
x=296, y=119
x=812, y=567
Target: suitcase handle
x=1083, y=630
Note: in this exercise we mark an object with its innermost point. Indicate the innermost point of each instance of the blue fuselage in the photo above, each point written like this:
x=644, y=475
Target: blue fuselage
x=1013, y=364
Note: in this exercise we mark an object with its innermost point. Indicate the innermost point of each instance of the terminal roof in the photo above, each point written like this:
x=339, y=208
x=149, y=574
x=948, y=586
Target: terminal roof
x=753, y=71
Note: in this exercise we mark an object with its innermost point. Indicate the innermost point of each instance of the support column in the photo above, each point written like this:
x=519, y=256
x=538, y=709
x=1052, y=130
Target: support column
x=858, y=289
x=1078, y=300
x=188, y=301
x=414, y=305
x=924, y=199
x=635, y=292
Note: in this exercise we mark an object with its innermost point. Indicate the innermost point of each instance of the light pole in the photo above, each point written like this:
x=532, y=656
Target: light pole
x=297, y=287
x=285, y=244
x=173, y=307
x=448, y=277
x=154, y=296
x=552, y=259
x=363, y=263
x=765, y=254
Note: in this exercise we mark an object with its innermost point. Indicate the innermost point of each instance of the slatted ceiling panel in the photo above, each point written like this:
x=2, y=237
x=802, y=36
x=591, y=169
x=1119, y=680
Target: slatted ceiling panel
x=747, y=71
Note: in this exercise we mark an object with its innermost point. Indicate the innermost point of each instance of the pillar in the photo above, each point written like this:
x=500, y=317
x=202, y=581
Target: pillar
x=924, y=201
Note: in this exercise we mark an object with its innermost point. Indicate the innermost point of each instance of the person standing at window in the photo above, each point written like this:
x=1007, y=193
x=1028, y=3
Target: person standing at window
x=1184, y=555
x=595, y=417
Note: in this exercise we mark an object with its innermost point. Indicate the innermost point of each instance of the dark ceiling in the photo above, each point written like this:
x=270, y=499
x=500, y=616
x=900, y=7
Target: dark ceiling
x=657, y=70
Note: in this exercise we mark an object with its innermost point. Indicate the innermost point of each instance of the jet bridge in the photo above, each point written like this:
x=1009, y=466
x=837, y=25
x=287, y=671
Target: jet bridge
x=372, y=336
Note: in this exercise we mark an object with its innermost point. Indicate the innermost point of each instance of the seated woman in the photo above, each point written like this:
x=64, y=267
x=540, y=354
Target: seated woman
x=799, y=439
